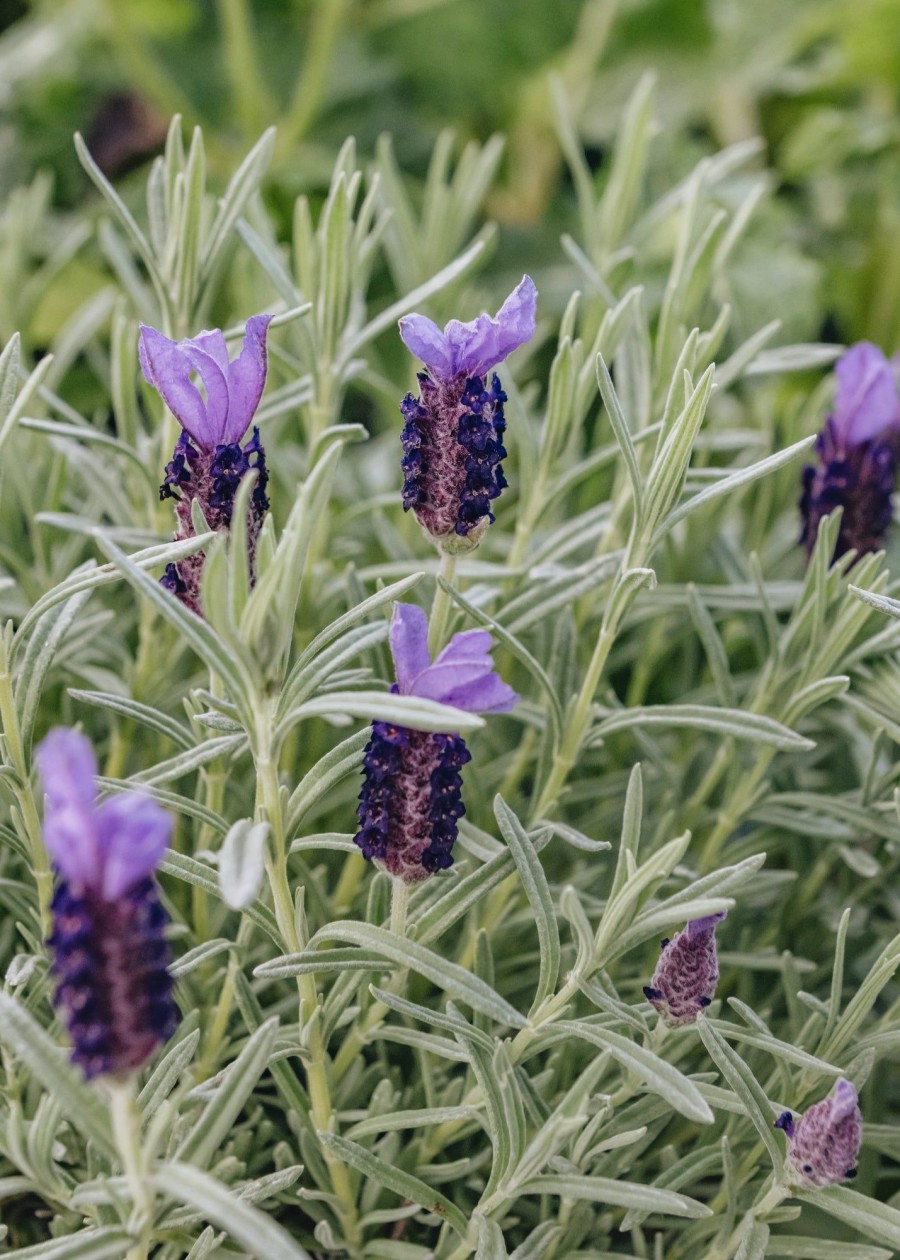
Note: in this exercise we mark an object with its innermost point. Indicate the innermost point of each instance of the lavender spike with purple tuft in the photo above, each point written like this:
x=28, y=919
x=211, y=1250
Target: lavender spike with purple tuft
x=453, y=432
x=686, y=975
x=110, y=955
x=857, y=454
x=411, y=801
x=209, y=462
x=823, y=1143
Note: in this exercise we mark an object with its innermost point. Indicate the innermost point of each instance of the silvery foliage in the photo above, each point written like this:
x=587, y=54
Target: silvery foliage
x=475, y=1073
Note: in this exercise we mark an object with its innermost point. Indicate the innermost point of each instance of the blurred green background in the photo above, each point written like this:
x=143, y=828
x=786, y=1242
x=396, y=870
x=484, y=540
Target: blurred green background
x=817, y=80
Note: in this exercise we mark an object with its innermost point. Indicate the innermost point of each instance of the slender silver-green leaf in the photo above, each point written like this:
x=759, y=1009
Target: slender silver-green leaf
x=214, y=1123
x=537, y=890
x=249, y=1227
x=402, y=1183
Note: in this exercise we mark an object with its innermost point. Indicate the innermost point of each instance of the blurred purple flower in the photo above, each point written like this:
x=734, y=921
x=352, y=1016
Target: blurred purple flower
x=209, y=462
x=857, y=452
x=823, y=1143
x=453, y=433
x=687, y=972
x=111, y=958
x=411, y=800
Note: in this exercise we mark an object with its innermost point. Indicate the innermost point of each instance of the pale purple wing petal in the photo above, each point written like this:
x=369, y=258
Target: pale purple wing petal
x=702, y=927
x=215, y=382
x=516, y=316
x=168, y=370
x=409, y=644
x=424, y=339
x=212, y=343
x=485, y=694
x=467, y=645
x=463, y=675
x=867, y=400
x=482, y=343
x=475, y=345
x=247, y=378
x=134, y=834
x=67, y=768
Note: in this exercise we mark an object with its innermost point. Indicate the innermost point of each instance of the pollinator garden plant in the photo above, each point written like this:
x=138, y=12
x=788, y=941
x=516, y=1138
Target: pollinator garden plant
x=337, y=852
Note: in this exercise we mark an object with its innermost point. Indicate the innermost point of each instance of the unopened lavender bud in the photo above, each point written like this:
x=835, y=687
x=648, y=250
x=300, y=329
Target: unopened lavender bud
x=411, y=800
x=823, y=1143
x=210, y=458
x=110, y=955
x=857, y=452
x=686, y=975
x=453, y=432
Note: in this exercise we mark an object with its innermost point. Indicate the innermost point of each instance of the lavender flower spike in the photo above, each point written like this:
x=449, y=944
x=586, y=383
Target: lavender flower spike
x=687, y=972
x=823, y=1143
x=857, y=453
x=110, y=957
x=209, y=461
x=411, y=800
x=453, y=432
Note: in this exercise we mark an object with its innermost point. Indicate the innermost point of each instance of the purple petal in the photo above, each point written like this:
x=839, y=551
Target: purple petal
x=409, y=644
x=67, y=768
x=424, y=339
x=466, y=646
x=487, y=694
x=247, y=378
x=215, y=382
x=867, y=400
x=705, y=926
x=845, y=1099
x=212, y=343
x=168, y=370
x=134, y=833
x=463, y=675
x=481, y=344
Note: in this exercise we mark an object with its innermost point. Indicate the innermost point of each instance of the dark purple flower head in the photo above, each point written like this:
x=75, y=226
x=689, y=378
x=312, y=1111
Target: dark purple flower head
x=857, y=451
x=686, y=975
x=110, y=955
x=411, y=800
x=453, y=433
x=823, y=1143
x=209, y=462
x=232, y=388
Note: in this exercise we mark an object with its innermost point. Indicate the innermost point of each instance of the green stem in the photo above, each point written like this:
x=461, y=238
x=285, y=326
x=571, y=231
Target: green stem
x=317, y=1065
x=576, y=730
x=440, y=608
x=126, y=1126
x=326, y=25
x=399, y=905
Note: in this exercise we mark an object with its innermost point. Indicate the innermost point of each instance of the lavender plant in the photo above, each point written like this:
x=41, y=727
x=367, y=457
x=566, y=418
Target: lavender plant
x=407, y=1058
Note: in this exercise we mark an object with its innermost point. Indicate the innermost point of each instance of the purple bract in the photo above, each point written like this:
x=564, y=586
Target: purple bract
x=453, y=432
x=411, y=800
x=857, y=451
x=686, y=975
x=110, y=955
x=823, y=1143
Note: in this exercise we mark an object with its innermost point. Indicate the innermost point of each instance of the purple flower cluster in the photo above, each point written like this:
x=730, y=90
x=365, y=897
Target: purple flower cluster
x=857, y=453
x=209, y=461
x=110, y=955
x=411, y=800
x=823, y=1143
x=453, y=432
x=687, y=972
